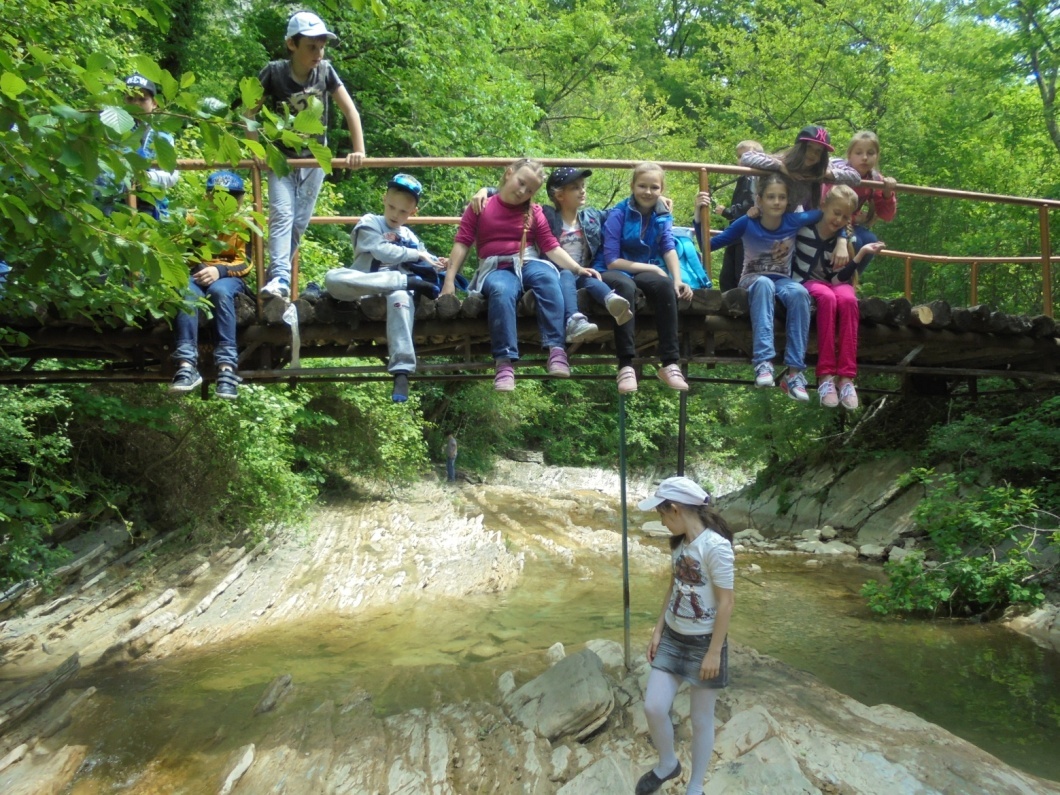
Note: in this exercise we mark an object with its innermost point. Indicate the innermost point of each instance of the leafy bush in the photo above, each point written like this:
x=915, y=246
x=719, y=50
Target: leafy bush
x=987, y=549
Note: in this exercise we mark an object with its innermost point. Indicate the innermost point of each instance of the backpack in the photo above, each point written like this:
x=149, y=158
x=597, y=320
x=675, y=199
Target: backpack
x=692, y=272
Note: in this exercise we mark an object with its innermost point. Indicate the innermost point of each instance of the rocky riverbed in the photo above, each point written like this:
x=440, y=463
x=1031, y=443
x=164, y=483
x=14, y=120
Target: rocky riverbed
x=559, y=721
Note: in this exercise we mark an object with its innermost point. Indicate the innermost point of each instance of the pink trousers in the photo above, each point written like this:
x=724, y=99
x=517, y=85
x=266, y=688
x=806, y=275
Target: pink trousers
x=837, y=328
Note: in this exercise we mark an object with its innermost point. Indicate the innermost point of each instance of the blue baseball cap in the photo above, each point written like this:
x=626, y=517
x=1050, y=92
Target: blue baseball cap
x=407, y=183
x=225, y=180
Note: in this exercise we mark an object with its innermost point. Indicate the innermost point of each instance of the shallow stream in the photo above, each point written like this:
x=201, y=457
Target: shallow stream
x=160, y=720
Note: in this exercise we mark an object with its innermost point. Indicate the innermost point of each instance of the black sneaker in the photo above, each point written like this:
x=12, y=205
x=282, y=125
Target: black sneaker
x=186, y=379
x=401, y=388
x=227, y=384
x=419, y=286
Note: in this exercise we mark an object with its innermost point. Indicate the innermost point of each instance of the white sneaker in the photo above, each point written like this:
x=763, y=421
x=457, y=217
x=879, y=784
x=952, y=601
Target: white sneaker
x=579, y=327
x=276, y=288
x=794, y=387
x=618, y=308
x=764, y=375
x=848, y=396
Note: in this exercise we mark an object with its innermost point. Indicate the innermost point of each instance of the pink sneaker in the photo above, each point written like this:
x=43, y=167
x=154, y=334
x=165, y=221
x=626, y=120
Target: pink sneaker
x=504, y=380
x=672, y=376
x=848, y=396
x=627, y=380
x=557, y=363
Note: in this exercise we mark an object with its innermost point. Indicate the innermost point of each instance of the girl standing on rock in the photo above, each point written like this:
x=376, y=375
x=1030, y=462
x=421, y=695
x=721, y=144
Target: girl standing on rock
x=689, y=642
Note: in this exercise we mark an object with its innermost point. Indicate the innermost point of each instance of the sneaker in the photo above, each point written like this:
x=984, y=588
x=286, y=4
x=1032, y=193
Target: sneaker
x=504, y=380
x=401, y=388
x=848, y=396
x=794, y=387
x=276, y=288
x=618, y=308
x=227, y=384
x=672, y=376
x=827, y=394
x=557, y=363
x=579, y=327
x=186, y=379
x=764, y=374
x=627, y=380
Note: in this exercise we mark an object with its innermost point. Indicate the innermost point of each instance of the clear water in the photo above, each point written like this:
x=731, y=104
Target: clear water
x=160, y=727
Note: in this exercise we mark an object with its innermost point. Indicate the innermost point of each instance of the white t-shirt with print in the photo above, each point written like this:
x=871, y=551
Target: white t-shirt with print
x=697, y=567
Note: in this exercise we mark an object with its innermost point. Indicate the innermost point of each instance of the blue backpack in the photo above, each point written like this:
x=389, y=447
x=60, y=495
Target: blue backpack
x=692, y=272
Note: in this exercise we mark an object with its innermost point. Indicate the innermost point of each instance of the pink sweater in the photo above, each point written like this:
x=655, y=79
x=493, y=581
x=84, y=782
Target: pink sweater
x=498, y=230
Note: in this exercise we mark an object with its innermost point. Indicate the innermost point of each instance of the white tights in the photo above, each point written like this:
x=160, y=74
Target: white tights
x=658, y=698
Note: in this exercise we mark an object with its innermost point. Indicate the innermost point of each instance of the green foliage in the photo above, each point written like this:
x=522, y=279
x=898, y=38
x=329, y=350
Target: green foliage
x=1021, y=446
x=985, y=547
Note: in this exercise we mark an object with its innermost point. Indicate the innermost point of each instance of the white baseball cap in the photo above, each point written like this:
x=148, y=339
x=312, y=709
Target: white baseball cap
x=308, y=24
x=682, y=490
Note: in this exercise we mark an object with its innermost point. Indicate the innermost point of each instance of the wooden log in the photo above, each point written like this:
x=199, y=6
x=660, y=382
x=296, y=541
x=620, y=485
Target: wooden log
x=706, y=302
x=246, y=310
x=972, y=318
x=736, y=303
x=329, y=310
x=901, y=310
x=373, y=307
x=426, y=309
x=32, y=696
x=873, y=310
x=448, y=306
x=272, y=311
x=942, y=314
x=306, y=311
x=921, y=316
x=473, y=306
x=1043, y=326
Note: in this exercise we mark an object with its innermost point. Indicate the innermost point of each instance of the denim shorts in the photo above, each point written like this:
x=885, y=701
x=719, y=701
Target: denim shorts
x=682, y=655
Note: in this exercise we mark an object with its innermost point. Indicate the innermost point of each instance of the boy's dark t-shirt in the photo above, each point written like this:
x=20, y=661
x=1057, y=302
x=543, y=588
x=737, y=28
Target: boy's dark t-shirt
x=280, y=86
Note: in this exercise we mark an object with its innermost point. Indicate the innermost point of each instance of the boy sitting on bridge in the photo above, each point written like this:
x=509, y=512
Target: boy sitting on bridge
x=217, y=270
x=390, y=260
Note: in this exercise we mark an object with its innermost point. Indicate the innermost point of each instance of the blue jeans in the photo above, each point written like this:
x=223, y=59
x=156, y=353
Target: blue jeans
x=797, y=303
x=450, y=469
x=222, y=294
x=502, y=290
x=570, y=284
x=291, y=202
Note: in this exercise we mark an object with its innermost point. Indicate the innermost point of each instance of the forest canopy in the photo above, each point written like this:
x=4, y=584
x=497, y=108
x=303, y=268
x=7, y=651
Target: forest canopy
x=962, y=95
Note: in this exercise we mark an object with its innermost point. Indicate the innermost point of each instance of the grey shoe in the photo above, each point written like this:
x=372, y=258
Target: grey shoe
x=579, y=327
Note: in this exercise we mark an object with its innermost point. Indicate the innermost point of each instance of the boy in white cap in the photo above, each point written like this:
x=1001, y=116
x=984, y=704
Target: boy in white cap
x=295, y=82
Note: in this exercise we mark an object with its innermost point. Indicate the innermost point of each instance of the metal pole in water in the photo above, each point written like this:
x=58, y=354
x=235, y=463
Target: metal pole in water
x=625, y=529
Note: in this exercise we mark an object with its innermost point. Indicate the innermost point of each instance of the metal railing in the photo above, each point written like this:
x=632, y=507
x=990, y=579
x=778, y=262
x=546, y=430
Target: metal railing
x=704, y=170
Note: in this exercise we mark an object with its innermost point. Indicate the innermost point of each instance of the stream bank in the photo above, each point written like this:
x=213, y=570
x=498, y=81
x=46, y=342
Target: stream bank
x=416, y=564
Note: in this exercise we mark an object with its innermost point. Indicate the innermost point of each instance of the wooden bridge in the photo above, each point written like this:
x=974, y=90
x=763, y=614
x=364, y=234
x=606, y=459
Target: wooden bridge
x=930, y=346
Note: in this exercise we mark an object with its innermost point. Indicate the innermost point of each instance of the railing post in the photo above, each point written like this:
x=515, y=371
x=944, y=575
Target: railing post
x=1047, y=267
x=975, y=285
x=704, y=224
x=908, y=278
x=257, y=248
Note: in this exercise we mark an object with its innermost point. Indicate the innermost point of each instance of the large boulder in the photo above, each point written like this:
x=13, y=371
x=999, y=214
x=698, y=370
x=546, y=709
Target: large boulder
x=610, y=774
x=571, y=699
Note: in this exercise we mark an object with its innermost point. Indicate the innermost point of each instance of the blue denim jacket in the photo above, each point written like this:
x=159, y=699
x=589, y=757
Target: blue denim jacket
x=592, y=224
